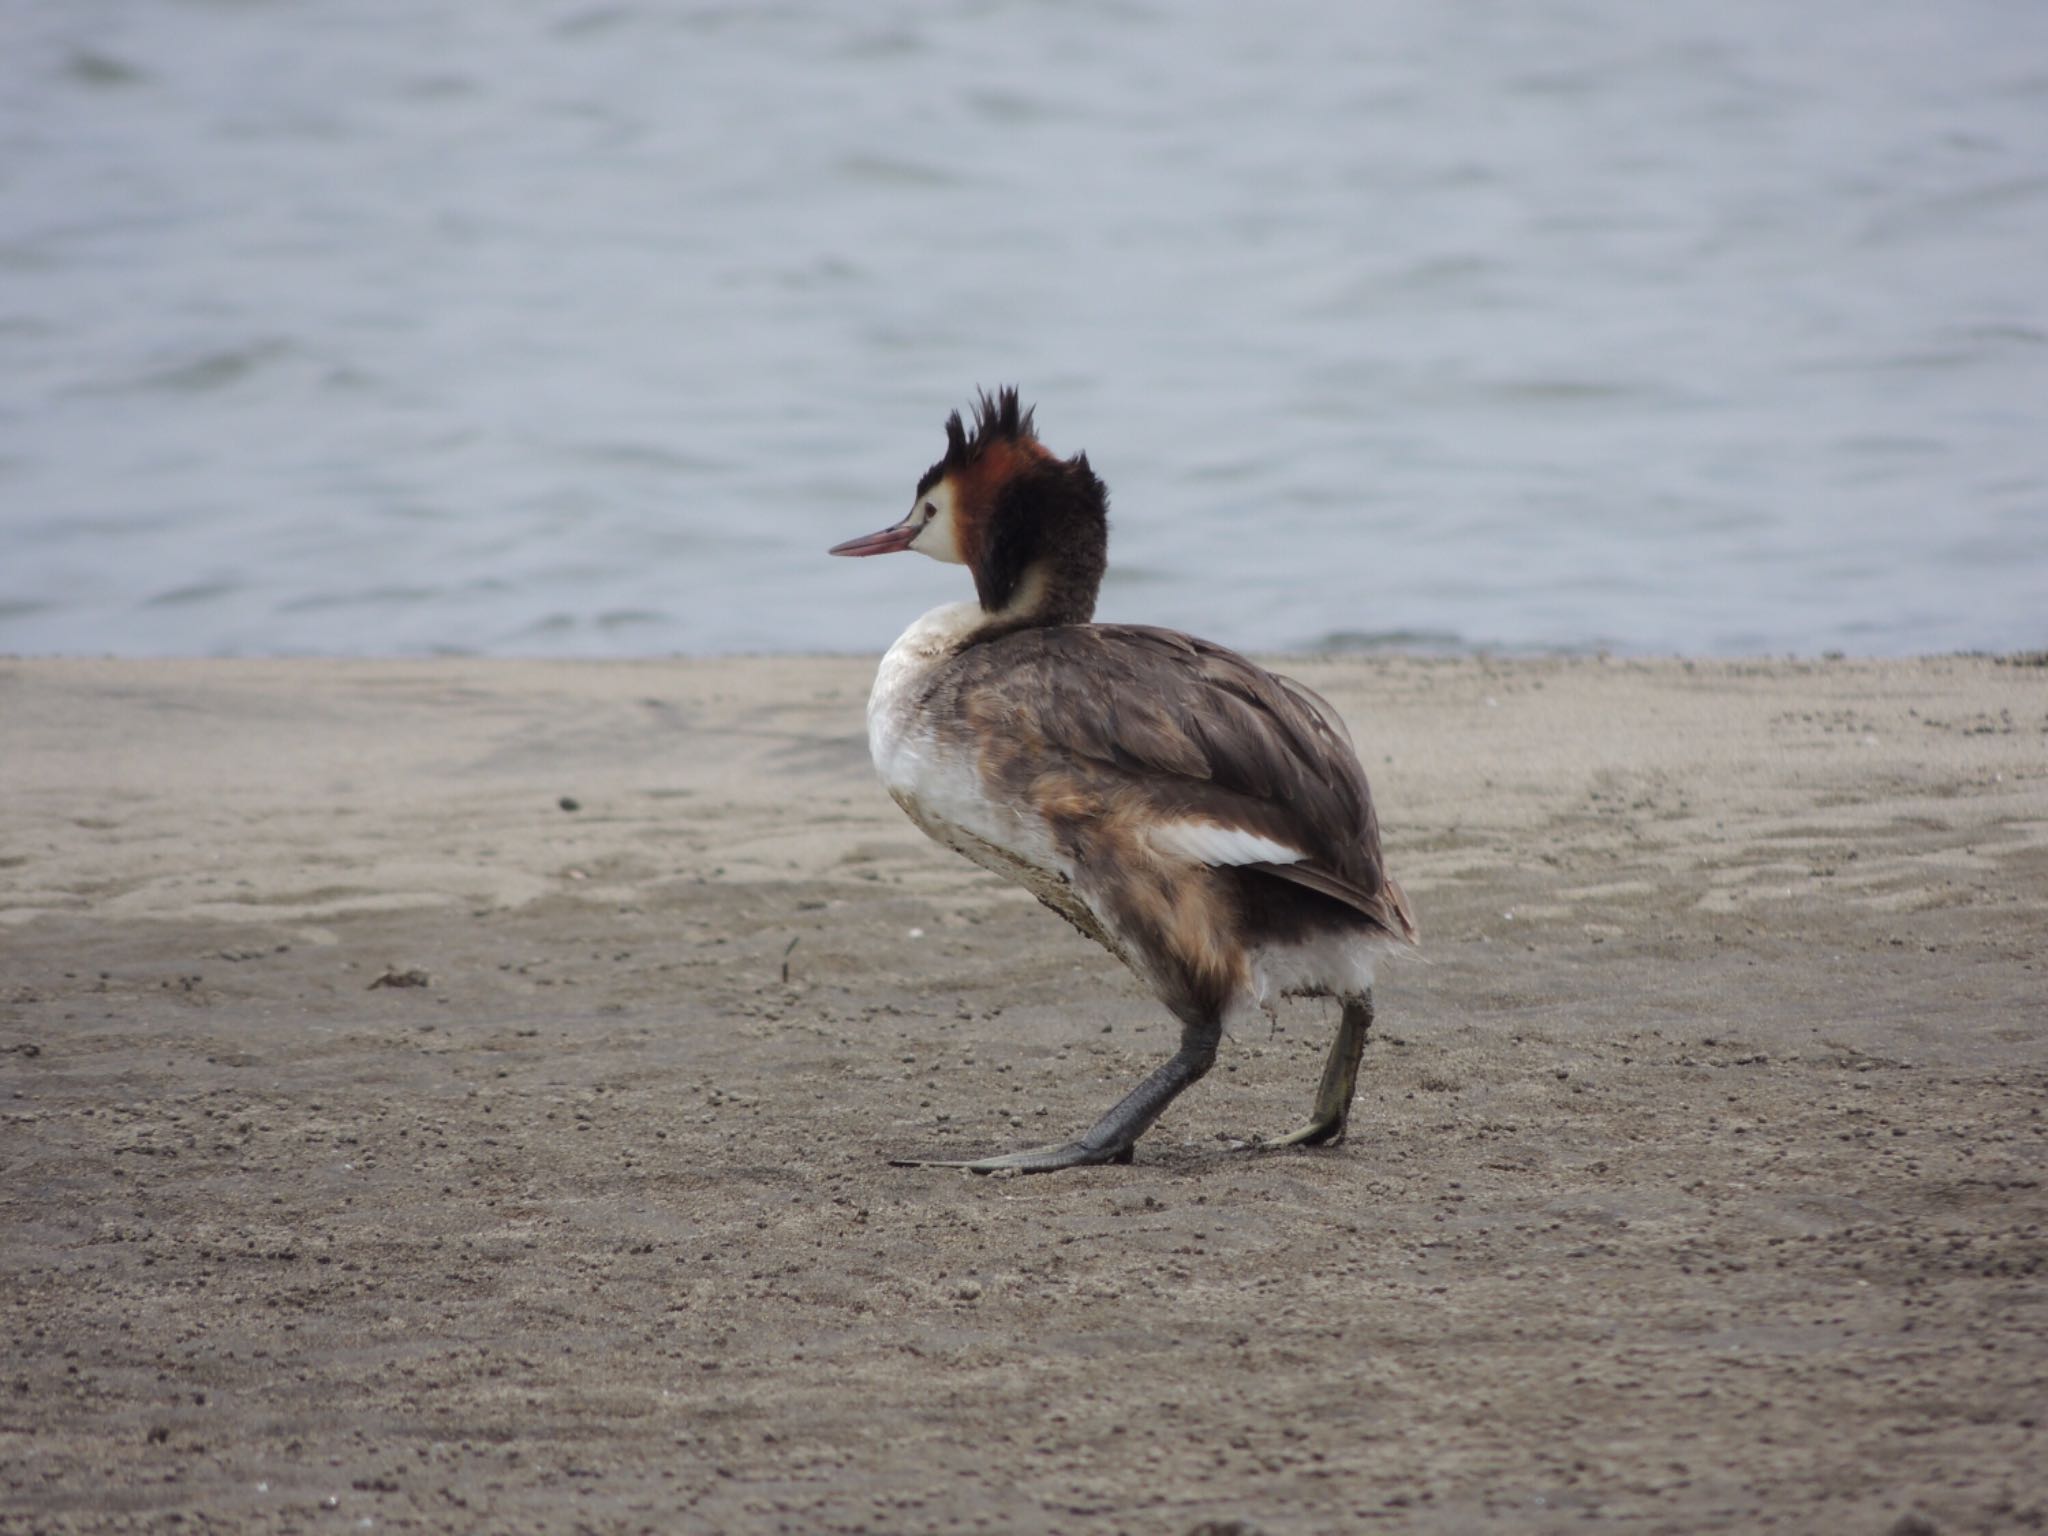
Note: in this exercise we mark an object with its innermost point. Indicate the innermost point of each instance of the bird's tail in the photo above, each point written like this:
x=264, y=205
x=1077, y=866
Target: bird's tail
x=1403, y=913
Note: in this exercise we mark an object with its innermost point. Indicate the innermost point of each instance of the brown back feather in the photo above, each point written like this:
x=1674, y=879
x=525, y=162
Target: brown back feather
x=1187, y=729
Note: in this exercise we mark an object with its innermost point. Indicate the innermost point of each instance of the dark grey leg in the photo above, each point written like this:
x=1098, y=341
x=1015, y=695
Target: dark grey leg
x=1111, y=1138
x=1340, y=1080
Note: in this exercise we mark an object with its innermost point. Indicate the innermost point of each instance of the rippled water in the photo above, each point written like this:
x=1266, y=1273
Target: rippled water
x=369, y=326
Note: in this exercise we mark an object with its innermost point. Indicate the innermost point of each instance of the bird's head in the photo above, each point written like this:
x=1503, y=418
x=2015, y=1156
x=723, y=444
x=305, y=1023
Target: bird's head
x=1002, y=505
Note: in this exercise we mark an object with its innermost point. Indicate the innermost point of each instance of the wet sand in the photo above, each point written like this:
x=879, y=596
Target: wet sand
x=387, y=1145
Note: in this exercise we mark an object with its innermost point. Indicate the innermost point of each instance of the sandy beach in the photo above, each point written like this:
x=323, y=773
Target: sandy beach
x=459, y=1094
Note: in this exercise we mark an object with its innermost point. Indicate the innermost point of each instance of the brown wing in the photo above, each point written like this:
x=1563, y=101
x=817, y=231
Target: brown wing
x=1102, y=713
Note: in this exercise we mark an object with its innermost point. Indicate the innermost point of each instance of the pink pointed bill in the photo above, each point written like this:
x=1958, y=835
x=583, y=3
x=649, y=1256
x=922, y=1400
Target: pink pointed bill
x=886, y=542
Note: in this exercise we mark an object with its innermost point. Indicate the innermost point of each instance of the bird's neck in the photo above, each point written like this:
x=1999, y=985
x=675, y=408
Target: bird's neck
x=1049, y=592
x=1044, y=560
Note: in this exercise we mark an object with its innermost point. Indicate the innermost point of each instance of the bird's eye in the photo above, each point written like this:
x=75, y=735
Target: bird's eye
x=930, y=511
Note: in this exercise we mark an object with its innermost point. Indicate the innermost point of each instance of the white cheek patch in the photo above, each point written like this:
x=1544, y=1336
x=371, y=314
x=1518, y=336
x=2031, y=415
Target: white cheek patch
x=1206, y=842
x=941, y=536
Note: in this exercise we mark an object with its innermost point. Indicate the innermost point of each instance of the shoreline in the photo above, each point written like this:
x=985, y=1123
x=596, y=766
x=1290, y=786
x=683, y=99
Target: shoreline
x=379, y=1130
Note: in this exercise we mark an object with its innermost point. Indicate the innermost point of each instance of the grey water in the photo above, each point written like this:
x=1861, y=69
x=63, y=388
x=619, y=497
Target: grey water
x=524, y=327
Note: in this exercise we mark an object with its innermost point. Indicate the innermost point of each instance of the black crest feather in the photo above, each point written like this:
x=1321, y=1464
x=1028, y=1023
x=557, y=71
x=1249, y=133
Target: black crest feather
x=998, y=417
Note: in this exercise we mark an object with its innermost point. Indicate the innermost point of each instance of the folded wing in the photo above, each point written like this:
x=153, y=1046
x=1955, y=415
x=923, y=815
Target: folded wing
x=1224, y=762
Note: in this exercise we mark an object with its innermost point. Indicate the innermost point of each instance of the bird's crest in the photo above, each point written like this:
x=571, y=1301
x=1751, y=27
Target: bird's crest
x=997, y=418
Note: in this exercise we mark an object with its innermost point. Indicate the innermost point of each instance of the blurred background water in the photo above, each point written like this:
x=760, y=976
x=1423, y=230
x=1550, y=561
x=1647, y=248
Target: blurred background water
x=523, y=327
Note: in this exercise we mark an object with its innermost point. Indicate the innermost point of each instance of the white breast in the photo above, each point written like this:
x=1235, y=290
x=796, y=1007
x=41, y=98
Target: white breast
x=935, y=774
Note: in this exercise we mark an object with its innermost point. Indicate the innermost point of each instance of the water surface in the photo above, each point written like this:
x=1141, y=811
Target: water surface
x=377, y=327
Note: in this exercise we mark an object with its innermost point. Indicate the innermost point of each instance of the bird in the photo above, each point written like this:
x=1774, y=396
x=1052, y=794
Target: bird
x=1203, y=819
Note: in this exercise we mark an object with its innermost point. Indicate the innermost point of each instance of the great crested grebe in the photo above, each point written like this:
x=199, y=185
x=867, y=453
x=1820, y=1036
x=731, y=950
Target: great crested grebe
x=1204, y=820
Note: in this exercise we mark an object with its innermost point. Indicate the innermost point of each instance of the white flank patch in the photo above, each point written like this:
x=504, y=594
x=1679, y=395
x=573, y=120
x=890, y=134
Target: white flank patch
x=1207, y=842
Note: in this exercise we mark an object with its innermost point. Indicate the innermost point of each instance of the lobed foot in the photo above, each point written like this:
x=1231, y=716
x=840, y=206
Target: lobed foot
x=1110, y=1139
x=1332, y=1110
x=1316, y=1133
x=1072, y=1154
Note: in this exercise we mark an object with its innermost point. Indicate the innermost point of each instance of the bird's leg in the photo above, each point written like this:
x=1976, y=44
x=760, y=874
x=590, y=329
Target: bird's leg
x=1340, y=1080
x=1111, y=1138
